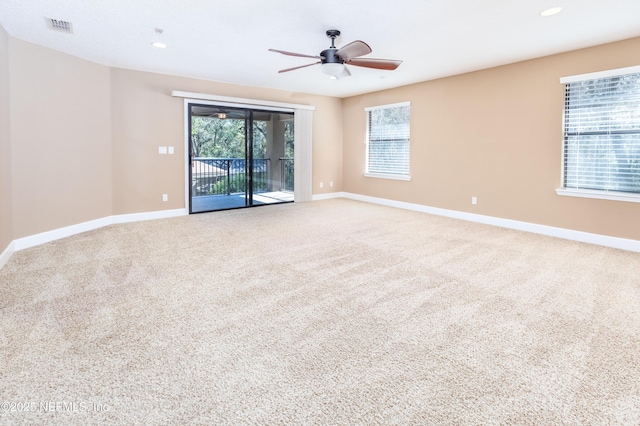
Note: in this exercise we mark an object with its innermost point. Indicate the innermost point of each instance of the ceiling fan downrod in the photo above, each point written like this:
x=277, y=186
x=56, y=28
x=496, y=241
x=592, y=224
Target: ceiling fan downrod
x=333, y=34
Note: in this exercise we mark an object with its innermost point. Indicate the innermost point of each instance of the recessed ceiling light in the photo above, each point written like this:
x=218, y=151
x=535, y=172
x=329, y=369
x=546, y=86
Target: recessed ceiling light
x=159, y=45
x=550, y=12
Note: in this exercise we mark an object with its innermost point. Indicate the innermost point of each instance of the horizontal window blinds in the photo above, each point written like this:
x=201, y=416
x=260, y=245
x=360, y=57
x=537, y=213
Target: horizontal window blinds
x=388, y=140
x=602, y=134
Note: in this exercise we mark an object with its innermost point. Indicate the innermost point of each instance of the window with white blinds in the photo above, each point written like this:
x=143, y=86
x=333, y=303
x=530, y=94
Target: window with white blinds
x=602, y=134
x=388, y=137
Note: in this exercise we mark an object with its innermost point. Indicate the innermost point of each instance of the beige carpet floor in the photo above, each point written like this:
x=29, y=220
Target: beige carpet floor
x=332, y=312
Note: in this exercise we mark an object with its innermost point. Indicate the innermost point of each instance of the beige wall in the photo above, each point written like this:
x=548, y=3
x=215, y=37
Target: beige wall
x=146, y=116
x=84, y=139
x=60, y=139
x=495, y=134
x=6, y=235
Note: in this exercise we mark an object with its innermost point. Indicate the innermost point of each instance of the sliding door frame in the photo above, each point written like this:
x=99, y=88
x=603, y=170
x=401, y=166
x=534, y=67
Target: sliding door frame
x=303, y=130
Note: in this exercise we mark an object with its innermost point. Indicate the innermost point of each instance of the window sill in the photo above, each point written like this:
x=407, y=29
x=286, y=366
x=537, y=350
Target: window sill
x=603, y=195
x=384, y=176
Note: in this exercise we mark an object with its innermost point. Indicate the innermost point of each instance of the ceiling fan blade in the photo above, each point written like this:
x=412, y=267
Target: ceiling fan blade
x=353, y=50
x=297, y=68
x=380, y=64
x=301, y=55
x=343, y=74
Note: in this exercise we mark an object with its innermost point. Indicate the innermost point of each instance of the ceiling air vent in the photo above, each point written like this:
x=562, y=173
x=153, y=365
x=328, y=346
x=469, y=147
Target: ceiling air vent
x=60, y=26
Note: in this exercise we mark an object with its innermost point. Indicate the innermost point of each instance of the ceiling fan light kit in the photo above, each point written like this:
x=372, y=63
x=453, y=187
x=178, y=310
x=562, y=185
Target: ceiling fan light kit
x=333, y=60
x=332, y=69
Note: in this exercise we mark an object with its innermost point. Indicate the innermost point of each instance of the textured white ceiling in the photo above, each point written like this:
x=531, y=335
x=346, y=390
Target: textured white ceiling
x=228, y=40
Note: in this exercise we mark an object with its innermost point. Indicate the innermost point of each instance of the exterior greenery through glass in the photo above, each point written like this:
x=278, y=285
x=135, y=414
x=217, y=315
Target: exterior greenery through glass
x=602, y=134
x=388, y=137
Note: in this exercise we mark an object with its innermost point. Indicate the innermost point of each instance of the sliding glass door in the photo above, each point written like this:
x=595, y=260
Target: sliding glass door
x=239, y=157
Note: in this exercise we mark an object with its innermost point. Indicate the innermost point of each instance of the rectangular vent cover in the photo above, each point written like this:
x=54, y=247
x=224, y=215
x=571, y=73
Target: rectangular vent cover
x=60, y=26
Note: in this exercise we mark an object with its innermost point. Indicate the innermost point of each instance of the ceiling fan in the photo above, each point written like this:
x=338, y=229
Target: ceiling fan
x=334, y=60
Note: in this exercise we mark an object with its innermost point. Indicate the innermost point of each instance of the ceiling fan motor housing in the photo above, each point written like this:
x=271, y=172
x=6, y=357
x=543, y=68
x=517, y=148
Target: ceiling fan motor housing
x=329, y=57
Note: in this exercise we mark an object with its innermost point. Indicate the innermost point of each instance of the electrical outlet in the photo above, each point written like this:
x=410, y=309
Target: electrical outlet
x=165, y=197
x=170, y=150
x=321, y=184
x=474, y=200
x=331, y=183
x=162, y=150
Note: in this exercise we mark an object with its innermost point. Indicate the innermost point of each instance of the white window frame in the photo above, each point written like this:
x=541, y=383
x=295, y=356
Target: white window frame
x=590, y=193
x=391, y=176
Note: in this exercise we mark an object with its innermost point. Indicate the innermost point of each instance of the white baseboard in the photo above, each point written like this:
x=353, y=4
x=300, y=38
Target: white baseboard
x=138, y=217
x=6, y=254
x=329, y=196
x=67, y=231
x=567, y=234
x=56, y=234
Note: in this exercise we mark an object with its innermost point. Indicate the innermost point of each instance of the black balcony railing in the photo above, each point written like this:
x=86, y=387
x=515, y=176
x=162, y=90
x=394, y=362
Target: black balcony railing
x=226, y=176
x=286, y=174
